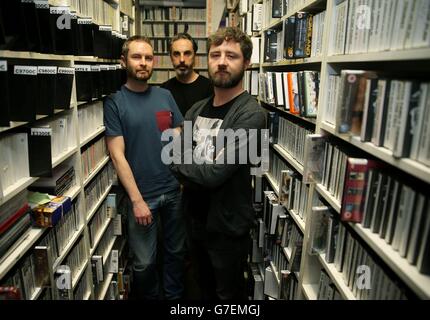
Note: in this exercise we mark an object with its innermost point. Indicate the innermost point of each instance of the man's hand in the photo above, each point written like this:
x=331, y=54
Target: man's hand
x=142, y=214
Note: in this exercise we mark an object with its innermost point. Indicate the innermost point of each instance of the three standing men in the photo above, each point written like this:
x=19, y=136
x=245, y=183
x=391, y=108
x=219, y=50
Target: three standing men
x=217, y=194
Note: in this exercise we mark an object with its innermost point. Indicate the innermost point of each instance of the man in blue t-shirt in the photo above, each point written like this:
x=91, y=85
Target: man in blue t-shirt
x=135, y=118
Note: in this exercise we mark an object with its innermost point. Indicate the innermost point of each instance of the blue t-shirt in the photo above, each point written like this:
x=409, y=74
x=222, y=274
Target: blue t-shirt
x=141, y=117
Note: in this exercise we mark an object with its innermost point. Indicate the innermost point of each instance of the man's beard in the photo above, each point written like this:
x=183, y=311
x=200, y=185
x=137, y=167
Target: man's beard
x=136, y=75
x=227, y=80
x=184, y=72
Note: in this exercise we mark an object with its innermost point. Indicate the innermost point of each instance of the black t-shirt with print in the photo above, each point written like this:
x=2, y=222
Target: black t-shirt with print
x=186, y=94
x=210, y=119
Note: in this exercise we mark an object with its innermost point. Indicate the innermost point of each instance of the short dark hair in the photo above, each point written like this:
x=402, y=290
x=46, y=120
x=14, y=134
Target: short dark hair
x=185, y=36
x=126, y=45
x=235, y=34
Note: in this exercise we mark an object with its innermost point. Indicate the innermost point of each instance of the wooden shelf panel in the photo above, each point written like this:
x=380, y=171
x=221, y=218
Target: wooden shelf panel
x=289, y=158
x=105, y=287
x=18, y=249
x=173, y=21
x=96, y=170
x=100, y=236
x=68, y=247
x=334, y=203
x=310, y=291
x=92, y=136
x=78, y=277
x=418, y=282
x=298, y=220
x=273, y=183
x=63, y=156
x=97, y=204
x=400, y=55
x=274, y=108
x=290, y=62
x=409, y=166
x=337, y=278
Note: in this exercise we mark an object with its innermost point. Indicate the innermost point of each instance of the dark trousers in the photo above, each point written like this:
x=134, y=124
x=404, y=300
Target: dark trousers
x=219, y=262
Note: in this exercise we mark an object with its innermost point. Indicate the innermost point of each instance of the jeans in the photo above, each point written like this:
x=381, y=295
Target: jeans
x=167, y=218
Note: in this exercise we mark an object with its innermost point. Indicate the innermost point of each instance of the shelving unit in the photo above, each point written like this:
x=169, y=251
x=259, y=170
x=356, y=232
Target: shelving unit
x=310, y=291
x=96, y=170
x=293, y=62
x=105, y=287
x=17, y=251
x=68, y=247
x=299, y=221
x=92, y=136
x=23, y=248
x=153, y=16
x=286, y=155
x=409, y=63
x=173, y=20
x=337, y=278
x=409, y=166
x=78, y=277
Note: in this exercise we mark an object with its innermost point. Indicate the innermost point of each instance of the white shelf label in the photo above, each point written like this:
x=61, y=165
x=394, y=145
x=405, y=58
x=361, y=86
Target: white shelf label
x=41, y=132
x=41, y=4
x=73, y=15
x=27, y=1
x=85, y=21
x=118, y=67
x=59, y=10
x=105, y=28
x=25, y=70
x=46, y=70
x=112, y=68
x=95, y=68
x=104, y=67
x=3, y=65
x=82, y=68
x=64, y=70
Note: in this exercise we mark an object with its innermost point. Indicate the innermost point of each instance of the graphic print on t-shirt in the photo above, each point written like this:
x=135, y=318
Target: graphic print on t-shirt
x=205, y=131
